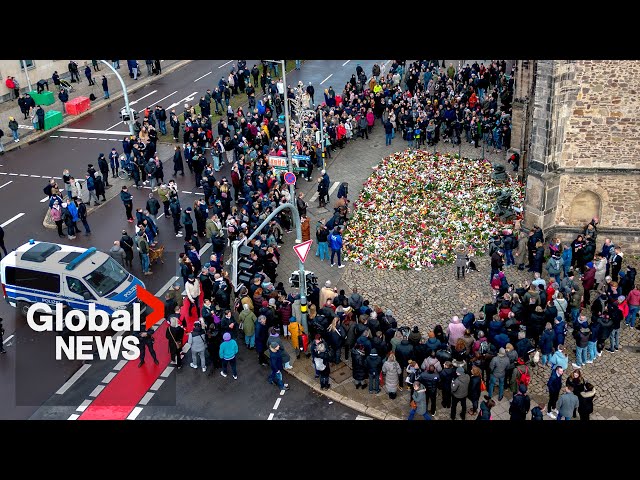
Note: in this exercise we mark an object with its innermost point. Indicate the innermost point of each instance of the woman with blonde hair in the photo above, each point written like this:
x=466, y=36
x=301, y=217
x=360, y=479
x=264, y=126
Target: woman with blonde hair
x=391, y=371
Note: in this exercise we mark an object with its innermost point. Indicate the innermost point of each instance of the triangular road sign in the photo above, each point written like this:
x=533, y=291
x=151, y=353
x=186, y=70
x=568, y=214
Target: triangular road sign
x=302, y=250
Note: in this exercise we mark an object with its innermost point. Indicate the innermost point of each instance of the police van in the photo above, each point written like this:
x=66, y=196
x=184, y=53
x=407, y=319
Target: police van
x=52, y=273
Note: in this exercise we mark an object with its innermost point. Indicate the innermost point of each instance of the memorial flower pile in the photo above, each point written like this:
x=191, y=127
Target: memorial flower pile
x=418, y=206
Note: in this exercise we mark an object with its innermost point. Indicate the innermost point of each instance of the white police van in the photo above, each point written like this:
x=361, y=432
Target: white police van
x=53, y=273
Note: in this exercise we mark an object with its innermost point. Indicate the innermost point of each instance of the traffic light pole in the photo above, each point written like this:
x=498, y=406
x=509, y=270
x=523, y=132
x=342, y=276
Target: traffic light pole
x=126, y=98
x=292, y=193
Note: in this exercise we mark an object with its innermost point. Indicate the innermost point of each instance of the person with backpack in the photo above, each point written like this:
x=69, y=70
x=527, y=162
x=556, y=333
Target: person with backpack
x=537, y=412
x=520, y=404
x=521, y=375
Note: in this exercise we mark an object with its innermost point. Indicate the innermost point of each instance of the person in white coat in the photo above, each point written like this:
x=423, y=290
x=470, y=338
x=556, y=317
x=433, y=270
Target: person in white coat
x=192, y=289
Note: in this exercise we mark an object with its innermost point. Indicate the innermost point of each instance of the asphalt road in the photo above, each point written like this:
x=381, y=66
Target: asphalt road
x=28, y=374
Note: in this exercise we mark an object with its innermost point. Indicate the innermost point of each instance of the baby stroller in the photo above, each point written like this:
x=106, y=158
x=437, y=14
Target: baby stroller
x=66, y=85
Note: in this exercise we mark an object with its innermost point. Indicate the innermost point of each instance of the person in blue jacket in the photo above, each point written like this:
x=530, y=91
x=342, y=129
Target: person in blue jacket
x=567, y=254
x=335, y=243
x=127, y=199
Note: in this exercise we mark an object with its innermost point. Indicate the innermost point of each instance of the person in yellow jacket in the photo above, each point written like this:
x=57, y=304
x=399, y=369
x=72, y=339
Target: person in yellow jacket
x=295, y=329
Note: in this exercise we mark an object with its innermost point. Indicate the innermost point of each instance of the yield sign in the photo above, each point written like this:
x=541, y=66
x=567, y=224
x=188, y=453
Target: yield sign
x=302, y=250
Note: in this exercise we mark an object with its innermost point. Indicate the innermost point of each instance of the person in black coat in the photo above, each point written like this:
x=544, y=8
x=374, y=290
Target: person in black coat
x=359, y=366
x=374, y=367
x=474, y=389
x=175, y=335
x=520, y=404
x=404, y=353
x=447, y=375
x=40, y=113
x=585, y=401
x=146, y=341
x=100, y=188
x=178, y=165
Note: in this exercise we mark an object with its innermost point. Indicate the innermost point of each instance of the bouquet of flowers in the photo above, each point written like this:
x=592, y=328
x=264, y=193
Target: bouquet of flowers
x=418, y=206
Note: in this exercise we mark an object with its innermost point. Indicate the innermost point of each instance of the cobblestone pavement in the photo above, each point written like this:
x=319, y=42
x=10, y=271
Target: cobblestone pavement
x=428, y=297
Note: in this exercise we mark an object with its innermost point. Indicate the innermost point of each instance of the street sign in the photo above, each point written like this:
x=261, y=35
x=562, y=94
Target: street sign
x=301, y=157
x=289, y=178
x=302, y=250
x=276, y=161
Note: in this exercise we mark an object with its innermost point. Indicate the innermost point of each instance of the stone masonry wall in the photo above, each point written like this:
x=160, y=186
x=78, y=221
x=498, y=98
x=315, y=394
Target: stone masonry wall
x=604, y=125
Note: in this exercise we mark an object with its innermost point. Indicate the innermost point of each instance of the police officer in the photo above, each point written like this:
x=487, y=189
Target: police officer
x=146, y=341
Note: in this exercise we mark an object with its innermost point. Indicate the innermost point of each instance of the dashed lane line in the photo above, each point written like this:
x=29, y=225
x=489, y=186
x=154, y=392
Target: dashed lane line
x=4, y=185
x=73, y=416
x=270, y=416
x=74, y=378
x=110, y=376
x=6, y=340
x=96, y=391
x=326, y=79
x=346, y=63
x=11, y=220
x=200, y=78
x=225, y=64
x=134, y=413
x=83, y=406
x=277, y=404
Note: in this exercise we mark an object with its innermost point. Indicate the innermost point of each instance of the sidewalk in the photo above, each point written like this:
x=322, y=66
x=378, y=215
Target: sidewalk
x=28, y=135
x=425, y=298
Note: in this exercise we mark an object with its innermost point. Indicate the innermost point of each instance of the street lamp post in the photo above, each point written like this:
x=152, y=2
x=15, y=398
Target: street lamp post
x=126, y=98
x=292, y=192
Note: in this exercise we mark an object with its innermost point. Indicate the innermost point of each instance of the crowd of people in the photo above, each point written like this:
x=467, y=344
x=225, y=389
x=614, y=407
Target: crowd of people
x=461, y=361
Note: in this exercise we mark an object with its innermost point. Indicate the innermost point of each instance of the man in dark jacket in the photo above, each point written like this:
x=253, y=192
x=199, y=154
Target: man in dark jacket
x=262, y=334
x=446, y=379
x=520, y=405
x=459, y=392
x=359, y=366
x=146, y=341
x=404, y=353
x=554, y=384
x=374, y=367
x=430, y=379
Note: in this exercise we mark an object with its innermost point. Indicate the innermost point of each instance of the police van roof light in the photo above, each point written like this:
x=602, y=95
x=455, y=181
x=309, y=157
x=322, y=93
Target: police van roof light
x=80, y=258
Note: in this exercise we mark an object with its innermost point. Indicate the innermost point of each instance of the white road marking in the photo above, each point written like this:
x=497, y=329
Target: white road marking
x=346, y=63
x=93, y=138
x=134, y=413
x=74, y=378
x=120, y=364
x=148, y=94
x=110, y=376
x=114, y=139
x=60, y=178
x=166, y=286
x=147, y=396
x=45, y=199
x=167, y=371
x=157, y=384
x=387, y=62
x=326, y=79
x=73, y=416
x=3, y=173
x=102, y=139
x=35, y=176
x=362, y=417
x=94, y=132
x=53, y=136
x=10, y=181
x=157, y=218
x=270, y=416
x=200, y=78
x=82, y=138
x=277, y=404
x=225, y=64
x=26, y=127
x=63, y=136
x=184, y=191
x=11, y=220
x=163, y=98
x=13, y=174
x=114, y=125
x=7, y=339
x=24, y=175
x=96, y=391
x=205, y=247
x=199, y=193
x=282, y=392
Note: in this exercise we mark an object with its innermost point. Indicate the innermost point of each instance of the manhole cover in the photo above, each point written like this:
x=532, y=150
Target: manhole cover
x=340, y=373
